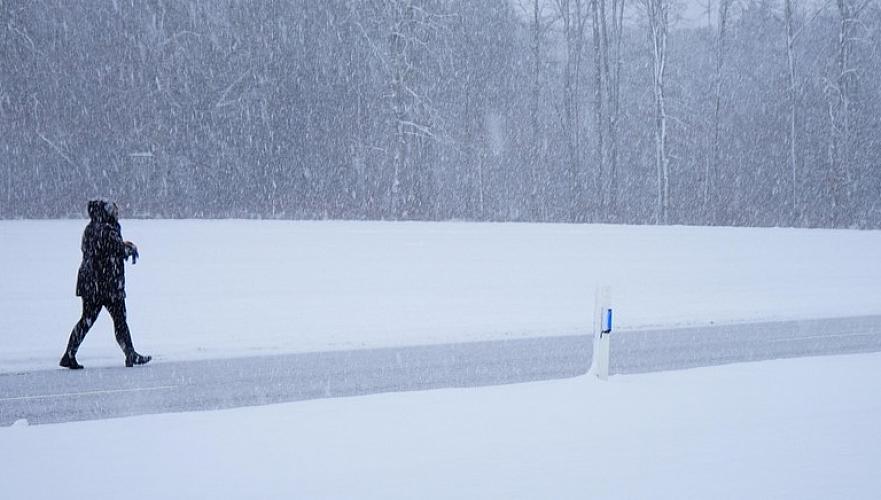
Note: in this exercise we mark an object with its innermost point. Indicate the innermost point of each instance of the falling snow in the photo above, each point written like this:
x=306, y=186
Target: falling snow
x=650, y=111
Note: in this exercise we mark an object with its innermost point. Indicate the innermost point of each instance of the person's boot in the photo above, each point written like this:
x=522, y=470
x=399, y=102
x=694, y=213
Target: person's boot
x=69, y=361
x=134, y=358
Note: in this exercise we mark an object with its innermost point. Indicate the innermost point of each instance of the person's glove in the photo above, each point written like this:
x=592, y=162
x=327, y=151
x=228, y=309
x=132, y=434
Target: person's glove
x=131, y=250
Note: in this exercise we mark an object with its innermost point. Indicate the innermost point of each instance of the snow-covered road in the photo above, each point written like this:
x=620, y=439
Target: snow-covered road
x=678, y=348
x=58, y=395
x=94, y=393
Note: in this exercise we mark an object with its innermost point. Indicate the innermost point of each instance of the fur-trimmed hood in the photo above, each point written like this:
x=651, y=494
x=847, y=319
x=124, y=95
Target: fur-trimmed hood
x=101, y=210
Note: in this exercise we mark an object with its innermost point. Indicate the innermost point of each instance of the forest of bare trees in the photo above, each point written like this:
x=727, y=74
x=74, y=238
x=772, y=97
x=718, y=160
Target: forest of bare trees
x=763, y=113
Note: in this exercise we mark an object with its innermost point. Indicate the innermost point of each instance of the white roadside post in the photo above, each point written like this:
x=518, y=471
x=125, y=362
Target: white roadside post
x=602, y=328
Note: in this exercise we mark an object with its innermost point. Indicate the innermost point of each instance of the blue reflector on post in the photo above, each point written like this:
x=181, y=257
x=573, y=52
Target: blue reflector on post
x=607, y=321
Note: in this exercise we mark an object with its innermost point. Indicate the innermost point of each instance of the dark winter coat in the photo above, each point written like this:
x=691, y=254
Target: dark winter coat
x=102, y=274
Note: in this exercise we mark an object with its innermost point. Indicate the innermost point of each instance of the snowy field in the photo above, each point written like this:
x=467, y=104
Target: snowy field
x=206, y=289
x=789, y=429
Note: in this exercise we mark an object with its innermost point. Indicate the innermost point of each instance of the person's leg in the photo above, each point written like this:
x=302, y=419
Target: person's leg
x=120, y=325
x=91, y=309
x=123, y=335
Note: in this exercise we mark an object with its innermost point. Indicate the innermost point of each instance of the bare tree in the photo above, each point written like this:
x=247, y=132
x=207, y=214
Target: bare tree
x=601, y=54
x=539, y=24
x=573, y=16
x=400, y=38
x=608, y=23
x=794, y=91
x=713, y=159
x=658, y=17
x=405, y=27
x=839, y=91
x=793, y=107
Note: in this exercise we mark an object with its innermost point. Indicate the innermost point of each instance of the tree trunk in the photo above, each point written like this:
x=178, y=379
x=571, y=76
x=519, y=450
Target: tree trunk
x=839, y=114
x=614, y=92
x=399, y=38
x=600, y=76
x=712, y=166
x=535, y=189
x=572, y=15
x=658, y=17
x=793, y=108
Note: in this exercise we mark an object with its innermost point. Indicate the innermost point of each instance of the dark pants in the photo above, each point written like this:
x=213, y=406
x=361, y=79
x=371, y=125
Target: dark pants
x=91, y=307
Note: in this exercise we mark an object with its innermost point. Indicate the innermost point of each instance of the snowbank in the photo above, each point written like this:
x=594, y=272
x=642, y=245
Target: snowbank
x=787, y=429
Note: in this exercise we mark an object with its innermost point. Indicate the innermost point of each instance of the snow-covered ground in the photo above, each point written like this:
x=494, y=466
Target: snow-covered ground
x=787, y=429
x=798, y=428
x=231, y=288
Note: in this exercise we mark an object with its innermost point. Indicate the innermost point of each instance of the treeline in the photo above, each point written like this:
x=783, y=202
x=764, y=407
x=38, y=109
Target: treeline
x=766, y=113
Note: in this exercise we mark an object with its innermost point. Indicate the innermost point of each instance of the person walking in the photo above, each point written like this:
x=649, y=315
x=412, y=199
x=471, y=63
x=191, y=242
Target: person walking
x=101, y=282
